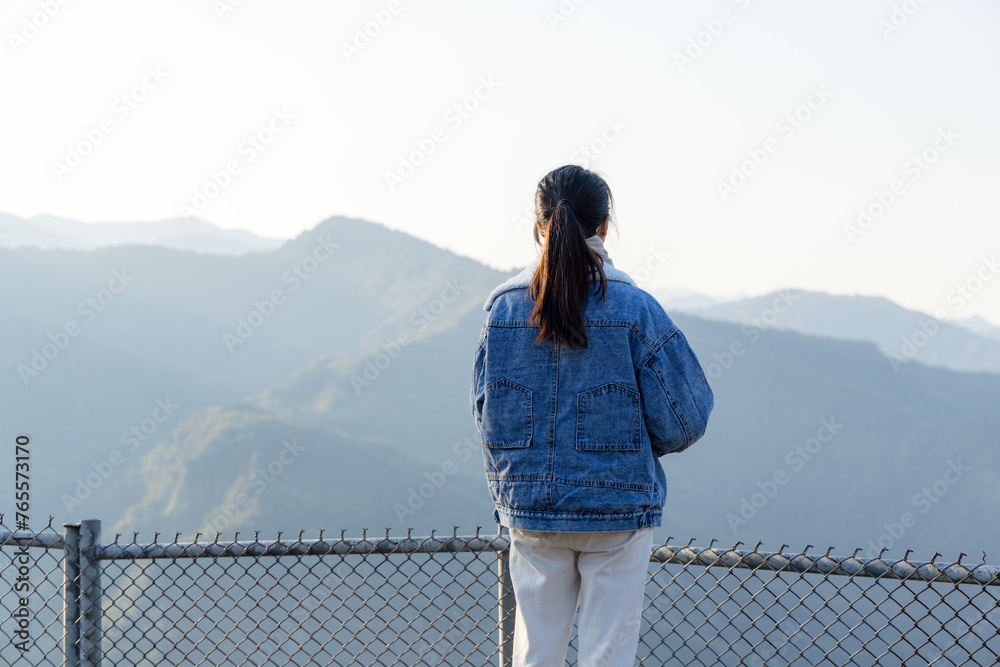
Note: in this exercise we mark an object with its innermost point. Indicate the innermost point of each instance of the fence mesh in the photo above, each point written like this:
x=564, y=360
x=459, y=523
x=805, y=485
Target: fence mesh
x=35, y=574
x=370, y=609
x=435, y=601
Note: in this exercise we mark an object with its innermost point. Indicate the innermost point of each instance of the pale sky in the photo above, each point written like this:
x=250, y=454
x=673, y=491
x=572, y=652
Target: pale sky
x=162, y=96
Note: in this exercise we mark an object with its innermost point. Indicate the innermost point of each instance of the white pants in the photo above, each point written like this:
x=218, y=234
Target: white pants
x=604, y=574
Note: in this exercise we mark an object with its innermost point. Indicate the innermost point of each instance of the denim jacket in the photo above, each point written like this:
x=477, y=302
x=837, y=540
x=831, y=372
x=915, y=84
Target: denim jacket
x=571, y=437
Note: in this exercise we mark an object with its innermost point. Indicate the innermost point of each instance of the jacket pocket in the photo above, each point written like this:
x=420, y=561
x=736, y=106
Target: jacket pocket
x=506, y=415
x=608, y=419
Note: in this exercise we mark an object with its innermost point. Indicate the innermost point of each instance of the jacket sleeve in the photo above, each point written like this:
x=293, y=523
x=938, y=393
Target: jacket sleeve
x=675, y=393
x=477, y=392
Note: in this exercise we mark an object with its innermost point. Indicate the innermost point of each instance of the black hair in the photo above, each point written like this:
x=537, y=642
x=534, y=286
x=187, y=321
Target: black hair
x=570, y=204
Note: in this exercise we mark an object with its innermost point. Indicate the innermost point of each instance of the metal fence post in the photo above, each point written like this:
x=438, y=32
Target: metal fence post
x=505, y=598
x=82, y=595
x=71, y=595
x=91, y=593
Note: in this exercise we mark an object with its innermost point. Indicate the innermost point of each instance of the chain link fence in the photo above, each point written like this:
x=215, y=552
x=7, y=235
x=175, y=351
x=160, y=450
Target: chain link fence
x=445, y=600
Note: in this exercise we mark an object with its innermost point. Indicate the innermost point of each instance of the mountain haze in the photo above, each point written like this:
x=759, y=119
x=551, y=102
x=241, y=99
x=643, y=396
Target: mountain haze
x=343, y=403
x=978, y=325
x=902, y=335
x=194, y=331
x=48, y=232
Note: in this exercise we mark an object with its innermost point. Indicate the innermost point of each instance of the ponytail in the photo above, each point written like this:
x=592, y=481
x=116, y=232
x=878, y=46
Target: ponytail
x=561, y=283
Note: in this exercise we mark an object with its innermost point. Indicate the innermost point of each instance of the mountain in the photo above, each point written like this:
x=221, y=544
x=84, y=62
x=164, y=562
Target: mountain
x=343, y=403
x=242, y=468
x=817, y=441
x=685, y=300
x=96, y=343
x=978, y=325
x=52, y=233
x=389, y=444
x=902, y=335
x=813, y=440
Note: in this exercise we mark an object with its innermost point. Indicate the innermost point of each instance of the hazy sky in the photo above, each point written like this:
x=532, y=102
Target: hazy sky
x=740, y=137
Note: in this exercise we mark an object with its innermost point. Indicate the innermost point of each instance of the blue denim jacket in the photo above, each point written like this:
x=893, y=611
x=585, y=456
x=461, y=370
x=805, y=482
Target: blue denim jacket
x=571, y=437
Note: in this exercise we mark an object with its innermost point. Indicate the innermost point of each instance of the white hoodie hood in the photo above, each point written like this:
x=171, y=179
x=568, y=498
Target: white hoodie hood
x=523, y=279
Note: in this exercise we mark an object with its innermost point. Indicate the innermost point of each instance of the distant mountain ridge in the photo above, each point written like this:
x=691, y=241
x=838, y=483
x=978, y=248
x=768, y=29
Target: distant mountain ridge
x=902, y=335
x=978, y=325
x=52, y=233
x=686, y=300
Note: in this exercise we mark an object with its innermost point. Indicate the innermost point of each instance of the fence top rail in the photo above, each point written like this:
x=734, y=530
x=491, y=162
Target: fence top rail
x=754, y=559
x=299, y=547
x=876, y=568
x=29, y=539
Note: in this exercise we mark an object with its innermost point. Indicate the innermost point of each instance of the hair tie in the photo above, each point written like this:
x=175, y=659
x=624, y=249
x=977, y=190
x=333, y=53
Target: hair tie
x=564, y=201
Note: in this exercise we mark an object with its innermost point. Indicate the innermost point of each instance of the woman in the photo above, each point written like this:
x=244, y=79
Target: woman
x=581, y=382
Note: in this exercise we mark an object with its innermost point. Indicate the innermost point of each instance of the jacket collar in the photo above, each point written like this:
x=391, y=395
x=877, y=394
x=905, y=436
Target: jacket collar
x=523, y=279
